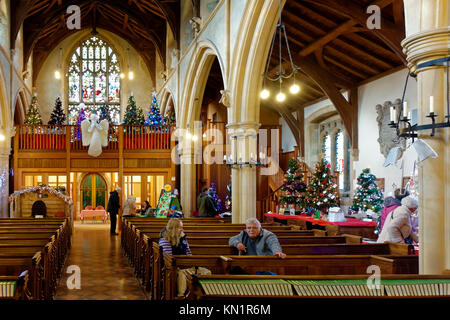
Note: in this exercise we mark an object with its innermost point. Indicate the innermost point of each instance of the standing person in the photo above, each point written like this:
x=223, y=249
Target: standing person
x=257, y=241
x=397, y=227
x=392, y=203
x=129, y=207
x=113, y=209
x=207, y=207
x=200, y=196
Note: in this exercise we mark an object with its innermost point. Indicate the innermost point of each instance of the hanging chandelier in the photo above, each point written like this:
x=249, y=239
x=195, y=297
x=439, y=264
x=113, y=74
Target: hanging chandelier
x=402, y=121
x=280, y=33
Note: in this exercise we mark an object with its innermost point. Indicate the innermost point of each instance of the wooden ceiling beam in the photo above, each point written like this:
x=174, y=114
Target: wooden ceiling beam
x=327, y=37
x=326, y=83
x=397, y=11
x=125, y=22
x=350, y=70
x=389, y=33
x=336, y=41
x=19, y=11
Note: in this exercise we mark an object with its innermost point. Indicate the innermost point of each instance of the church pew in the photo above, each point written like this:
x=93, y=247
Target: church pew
x=291, y=265
x=52, y=239
x=18, y=286
x=222, y=287
x=143, y=265
x=13, y=266
x=135, y=244
x=212, y=237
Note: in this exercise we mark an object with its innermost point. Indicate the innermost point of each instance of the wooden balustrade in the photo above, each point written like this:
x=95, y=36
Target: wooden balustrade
x=38, y=138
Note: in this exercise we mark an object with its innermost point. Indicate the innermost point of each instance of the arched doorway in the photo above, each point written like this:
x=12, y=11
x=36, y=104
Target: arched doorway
x=93, y=191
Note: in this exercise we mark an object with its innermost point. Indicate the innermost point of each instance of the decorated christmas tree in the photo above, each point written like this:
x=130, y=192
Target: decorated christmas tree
x=321, y=193
x=215, y=197
x=58, y=117
x=104, y=114
x=133, y=113
x=154, y=116
x=33, y=116
x=228, y=198
x=80, y=118
x=293, y=187
x=367, y=195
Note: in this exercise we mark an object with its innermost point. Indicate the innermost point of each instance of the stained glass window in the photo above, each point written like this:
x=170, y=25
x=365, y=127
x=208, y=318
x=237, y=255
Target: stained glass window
x=94, y=79
x=340, y=157
x=326, y=148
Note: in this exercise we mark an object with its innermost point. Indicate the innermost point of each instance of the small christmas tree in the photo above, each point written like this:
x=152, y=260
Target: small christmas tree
x=228, y=198
x=33, y=116
x=133, y=113
x=321, y=193
x=367, y=195
x=58, y=116
x=293, y=187
x=104, y=114
x=80, y=118
x=215, y=197
x=154, y=116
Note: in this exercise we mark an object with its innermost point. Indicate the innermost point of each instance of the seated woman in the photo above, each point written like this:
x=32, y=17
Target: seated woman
x=397, y=227
x=173, y=241
x=146, y=209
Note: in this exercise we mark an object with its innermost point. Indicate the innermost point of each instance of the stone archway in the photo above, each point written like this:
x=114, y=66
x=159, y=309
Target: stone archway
x=251, y=51
x=5, y=145
x=191, y=100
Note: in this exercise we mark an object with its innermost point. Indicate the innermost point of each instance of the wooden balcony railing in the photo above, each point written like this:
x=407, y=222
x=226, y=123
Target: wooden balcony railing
x=55, y=138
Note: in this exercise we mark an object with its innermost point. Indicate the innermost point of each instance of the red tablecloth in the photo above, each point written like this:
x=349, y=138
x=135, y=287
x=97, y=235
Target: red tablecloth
x=93, y=213
x=351, y=222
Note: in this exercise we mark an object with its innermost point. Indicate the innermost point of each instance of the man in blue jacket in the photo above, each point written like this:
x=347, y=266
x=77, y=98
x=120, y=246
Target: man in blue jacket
x=256, y=241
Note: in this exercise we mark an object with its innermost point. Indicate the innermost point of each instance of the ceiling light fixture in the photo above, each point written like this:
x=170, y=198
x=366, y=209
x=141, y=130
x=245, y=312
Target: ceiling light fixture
x=281, y=74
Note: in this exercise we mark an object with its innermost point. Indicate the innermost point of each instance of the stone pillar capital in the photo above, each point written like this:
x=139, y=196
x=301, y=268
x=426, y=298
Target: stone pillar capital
x=425, y=46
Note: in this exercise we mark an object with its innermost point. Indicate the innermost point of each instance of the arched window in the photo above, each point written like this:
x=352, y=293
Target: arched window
x=94, y=79
x=326, y=147
x=340, y=158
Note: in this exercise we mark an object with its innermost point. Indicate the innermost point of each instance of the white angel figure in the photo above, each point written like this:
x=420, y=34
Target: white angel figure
x=94, y=134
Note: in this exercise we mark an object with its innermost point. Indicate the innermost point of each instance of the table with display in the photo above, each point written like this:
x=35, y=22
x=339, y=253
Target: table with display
x=354, y=226
x=93, y=213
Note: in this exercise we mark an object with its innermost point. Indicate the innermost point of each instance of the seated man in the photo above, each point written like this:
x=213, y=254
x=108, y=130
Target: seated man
x=256, y=241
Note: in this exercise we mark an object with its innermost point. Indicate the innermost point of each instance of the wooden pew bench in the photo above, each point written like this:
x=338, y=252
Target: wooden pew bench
x=291, y=265
x=15, y=287
x=14, y=266
x=219, y=287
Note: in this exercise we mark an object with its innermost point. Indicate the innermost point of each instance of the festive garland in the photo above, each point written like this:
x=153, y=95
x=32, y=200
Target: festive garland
x=42, y=188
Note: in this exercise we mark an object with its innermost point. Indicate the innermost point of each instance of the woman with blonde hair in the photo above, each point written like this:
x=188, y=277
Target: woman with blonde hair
x=129, y=207
x=173, y=240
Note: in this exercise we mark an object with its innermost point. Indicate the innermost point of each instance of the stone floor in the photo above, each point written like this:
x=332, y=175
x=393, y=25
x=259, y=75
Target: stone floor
x=105, y=272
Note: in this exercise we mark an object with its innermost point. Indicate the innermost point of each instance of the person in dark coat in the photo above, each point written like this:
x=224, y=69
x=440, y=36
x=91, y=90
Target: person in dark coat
x=207, y=207
x=113, y=209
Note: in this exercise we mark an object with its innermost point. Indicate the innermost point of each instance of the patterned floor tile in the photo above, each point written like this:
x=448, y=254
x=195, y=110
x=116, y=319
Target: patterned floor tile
x=105, y=272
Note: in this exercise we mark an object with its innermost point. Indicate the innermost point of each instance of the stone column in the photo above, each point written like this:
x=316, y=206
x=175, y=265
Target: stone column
x=427, y=38
x=243, y=175
x=4, y=185
x=188, y=176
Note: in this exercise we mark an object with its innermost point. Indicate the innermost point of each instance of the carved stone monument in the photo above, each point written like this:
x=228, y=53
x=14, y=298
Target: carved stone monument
x=387, y=135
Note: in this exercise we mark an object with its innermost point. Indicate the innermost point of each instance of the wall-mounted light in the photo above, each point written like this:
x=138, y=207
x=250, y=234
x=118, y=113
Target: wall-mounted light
x=131, y=75
x=58, y=66
x=2, y=137
x=122, y=75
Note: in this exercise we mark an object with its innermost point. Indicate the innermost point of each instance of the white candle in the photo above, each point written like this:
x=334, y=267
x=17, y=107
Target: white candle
x=251, y=156
x=225, y=158
x=431, y=104
x=395, y=115
x=409, y=115
x=405, y=109
x=392, y=114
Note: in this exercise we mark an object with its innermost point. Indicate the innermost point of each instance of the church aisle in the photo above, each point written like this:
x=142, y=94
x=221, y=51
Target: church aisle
x=105, y=271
